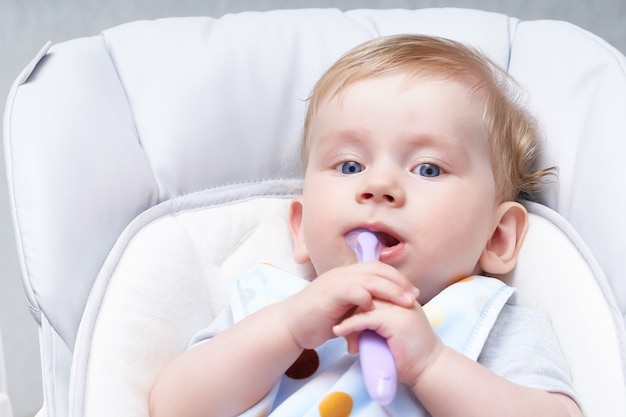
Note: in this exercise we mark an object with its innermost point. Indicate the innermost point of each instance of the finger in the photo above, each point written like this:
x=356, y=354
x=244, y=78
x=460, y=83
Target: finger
x=387, y=290
x=357, y=323
x=358, y=297
x=353, y=343
x=391, y=274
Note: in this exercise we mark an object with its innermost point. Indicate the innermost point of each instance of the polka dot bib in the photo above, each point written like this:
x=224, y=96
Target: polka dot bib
x=327, y=381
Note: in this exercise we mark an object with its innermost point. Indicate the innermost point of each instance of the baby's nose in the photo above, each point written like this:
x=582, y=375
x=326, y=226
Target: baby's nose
x=388, y=197
x=383, y=188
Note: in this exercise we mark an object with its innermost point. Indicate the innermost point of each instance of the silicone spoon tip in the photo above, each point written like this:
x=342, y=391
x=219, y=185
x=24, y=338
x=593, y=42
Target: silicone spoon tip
x=364, y=243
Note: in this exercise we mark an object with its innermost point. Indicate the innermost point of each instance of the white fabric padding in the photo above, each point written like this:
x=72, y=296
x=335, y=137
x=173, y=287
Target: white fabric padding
x=170, y=281
x=172, y=277
x=557, y=274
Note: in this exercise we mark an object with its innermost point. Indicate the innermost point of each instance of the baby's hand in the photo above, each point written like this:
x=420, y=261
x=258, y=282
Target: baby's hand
x=413, y=343
x=338, y=293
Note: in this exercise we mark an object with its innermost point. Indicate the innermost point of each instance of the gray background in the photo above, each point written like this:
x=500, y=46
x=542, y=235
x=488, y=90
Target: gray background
x=25, y=25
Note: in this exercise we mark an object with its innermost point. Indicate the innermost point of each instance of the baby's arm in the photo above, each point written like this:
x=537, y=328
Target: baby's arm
x=228, y=373
x=232, y=371
x=453, y=385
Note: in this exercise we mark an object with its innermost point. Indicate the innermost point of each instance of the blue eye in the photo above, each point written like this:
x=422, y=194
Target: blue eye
x=350, y=167
x=428, y=170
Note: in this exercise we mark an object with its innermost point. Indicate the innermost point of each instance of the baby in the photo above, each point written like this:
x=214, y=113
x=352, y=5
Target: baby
x=416, y=139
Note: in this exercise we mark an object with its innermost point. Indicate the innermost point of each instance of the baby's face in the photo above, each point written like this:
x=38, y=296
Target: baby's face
x=409, y=159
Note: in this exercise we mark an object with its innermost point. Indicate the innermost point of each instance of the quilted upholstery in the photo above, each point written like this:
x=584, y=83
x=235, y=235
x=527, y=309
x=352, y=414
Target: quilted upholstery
x=101, y=129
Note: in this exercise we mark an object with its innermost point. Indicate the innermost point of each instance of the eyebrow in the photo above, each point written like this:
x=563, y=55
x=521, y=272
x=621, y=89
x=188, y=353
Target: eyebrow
x=343, y=136
x=352, y=134
x=412, y=139
x=430, y=140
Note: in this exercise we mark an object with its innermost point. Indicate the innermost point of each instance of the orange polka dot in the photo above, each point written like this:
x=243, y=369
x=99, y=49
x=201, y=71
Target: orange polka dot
x=467, y=279
x=336, y=404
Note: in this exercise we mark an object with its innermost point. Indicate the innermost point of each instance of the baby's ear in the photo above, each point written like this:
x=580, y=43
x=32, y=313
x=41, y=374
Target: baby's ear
x=300, y=253
x=500, y=254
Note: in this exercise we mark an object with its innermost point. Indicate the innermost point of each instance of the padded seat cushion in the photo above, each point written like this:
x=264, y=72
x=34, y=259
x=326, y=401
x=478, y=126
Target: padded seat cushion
x=168, y=277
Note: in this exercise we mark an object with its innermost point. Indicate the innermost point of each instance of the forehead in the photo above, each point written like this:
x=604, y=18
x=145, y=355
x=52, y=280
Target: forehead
x=335, y=89
x=335, y=83
x=409, y=99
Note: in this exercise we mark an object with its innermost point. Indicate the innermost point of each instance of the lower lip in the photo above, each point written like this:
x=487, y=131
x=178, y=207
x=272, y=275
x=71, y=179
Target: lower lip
x=388, y=254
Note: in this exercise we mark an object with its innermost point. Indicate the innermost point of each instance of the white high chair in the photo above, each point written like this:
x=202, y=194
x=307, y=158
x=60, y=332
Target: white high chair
x=5, y=402
x=151, y=165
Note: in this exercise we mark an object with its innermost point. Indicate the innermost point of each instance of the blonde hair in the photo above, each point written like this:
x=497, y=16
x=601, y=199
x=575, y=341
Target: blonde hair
x=513, y=134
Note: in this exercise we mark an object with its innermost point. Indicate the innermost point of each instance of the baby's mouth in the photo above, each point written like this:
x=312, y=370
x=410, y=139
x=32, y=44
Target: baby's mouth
x=387, y=240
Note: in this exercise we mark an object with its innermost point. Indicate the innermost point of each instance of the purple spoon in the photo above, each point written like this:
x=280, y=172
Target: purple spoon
x=377, y=363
